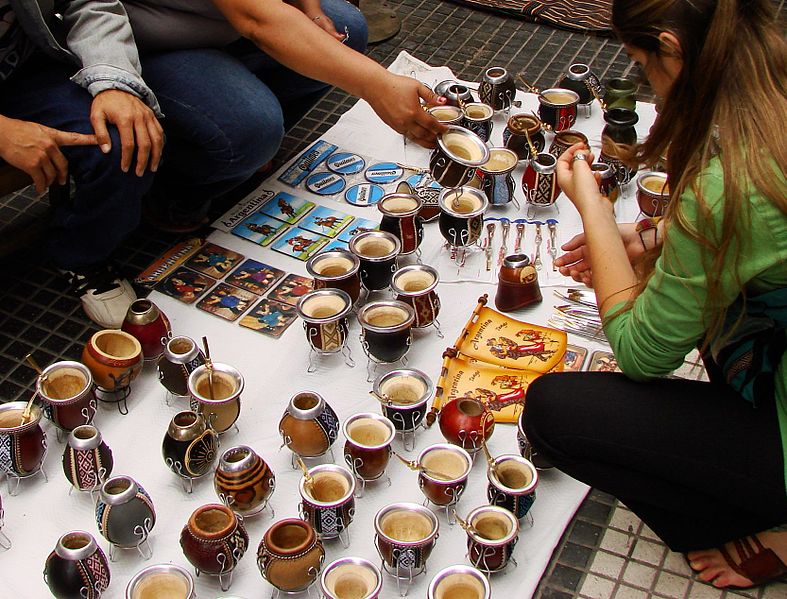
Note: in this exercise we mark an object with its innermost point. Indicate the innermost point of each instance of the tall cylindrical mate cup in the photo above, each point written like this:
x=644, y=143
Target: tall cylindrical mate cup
x=67, y=390
x=416, y=285
x=539, y=182
x=462, y=215
x=400, y=218
x=377, y=252
x=324, y=313
x=328, y=500
x=405, y=535
x=367, y=449
x=386, y=330
x=336, y=269
x=22, y=440
x=497, y=182
x=478, y=119
x=492, y=534
x=458, y=153
x=216, y=394
x=512, y=484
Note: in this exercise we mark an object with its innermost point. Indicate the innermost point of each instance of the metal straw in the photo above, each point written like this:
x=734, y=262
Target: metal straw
x=209, y=366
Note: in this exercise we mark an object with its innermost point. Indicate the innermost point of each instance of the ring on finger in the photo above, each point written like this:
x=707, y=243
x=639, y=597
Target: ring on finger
x=580, y=156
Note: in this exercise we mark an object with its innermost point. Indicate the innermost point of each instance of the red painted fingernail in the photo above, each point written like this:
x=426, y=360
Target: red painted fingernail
x=442, y=100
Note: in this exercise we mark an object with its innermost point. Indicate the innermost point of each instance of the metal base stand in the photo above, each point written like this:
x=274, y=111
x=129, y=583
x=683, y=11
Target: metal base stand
x=355, y=465
x=314, y=354
x=143, y=545
x=118, y=396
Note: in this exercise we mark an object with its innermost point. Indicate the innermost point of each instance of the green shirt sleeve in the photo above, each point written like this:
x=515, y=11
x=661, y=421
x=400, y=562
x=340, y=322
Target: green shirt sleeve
x=666, y=320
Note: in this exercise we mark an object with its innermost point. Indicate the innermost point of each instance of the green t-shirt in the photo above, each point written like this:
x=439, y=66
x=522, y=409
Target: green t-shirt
x=666, y=321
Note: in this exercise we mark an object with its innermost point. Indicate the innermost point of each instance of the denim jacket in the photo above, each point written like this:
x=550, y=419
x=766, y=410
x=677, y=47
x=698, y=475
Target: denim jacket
x=92, y=34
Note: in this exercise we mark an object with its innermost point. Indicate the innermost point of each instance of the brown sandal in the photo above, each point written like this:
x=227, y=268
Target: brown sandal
x=758, y=563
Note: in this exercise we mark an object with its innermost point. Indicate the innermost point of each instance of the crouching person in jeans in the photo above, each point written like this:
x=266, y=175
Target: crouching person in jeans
x=73, y=102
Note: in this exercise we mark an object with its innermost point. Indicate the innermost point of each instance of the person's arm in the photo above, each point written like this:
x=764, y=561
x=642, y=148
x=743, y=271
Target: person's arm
x=100, y=36
x=291, y=38
x=614, y=278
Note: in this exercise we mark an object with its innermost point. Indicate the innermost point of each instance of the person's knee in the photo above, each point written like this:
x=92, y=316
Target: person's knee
x=256, y=139
x=542, y=415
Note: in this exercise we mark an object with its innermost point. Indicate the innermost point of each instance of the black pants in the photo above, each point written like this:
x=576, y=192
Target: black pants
x=693, y=460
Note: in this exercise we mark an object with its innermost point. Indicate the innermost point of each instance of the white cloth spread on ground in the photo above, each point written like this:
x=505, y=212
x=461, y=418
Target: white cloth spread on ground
x=274, y=370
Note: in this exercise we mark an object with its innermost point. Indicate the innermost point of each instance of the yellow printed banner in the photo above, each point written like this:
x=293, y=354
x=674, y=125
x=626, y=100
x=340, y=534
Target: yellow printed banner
x=495, y=359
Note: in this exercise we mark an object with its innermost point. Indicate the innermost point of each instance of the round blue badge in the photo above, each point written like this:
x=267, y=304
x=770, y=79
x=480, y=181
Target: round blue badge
x=384, y=172
x=345, y=163
x=325, y=184
x=364, y=194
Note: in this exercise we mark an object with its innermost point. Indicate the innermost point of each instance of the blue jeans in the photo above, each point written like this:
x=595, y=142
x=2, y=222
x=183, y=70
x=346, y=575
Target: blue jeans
x=226, y=111
x=105, y=206
x=223, y=120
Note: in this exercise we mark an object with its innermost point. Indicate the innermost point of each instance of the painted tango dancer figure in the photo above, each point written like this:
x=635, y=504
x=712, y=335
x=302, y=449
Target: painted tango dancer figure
x=701, y=463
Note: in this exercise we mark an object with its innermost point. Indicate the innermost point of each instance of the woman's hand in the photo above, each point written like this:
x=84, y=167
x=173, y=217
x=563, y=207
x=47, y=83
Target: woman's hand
x=397, y=101
x=575, y=263
x=576, y=179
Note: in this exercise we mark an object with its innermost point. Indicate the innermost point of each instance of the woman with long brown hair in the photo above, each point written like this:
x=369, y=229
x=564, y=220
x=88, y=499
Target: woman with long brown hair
x=702, y=463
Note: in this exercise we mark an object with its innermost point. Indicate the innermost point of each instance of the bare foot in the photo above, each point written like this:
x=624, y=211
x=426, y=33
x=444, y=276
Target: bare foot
x=713, y=568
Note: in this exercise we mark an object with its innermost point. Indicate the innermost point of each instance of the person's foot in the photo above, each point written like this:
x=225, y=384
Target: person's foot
x=105, y=295
x=742, y=563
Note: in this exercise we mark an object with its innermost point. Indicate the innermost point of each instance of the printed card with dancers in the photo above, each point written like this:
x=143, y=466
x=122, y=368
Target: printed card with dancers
x=214, y=260
x=255, y=276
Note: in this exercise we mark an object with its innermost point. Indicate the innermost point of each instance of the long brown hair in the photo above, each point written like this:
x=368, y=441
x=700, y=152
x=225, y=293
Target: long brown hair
x=729, y=101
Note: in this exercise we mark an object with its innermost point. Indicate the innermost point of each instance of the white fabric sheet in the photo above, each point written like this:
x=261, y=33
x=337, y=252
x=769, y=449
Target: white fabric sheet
x=274, y=370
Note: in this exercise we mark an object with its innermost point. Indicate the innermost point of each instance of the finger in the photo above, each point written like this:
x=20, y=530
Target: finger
x=126, y=131
x=68, y=138
x=429, y=97
x=156, y=134
x=143, y=146
x=421, y=135
x=569, y=258
x=50, y=173
x=39, y=180
x=99, y=122
x=426, y=121
x=573, y=243
x=60, y=163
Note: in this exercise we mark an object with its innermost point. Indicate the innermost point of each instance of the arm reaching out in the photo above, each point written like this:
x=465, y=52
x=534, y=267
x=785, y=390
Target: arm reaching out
x=296, y=41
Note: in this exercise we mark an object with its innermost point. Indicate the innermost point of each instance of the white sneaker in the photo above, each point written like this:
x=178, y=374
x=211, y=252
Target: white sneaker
x=105, y=296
